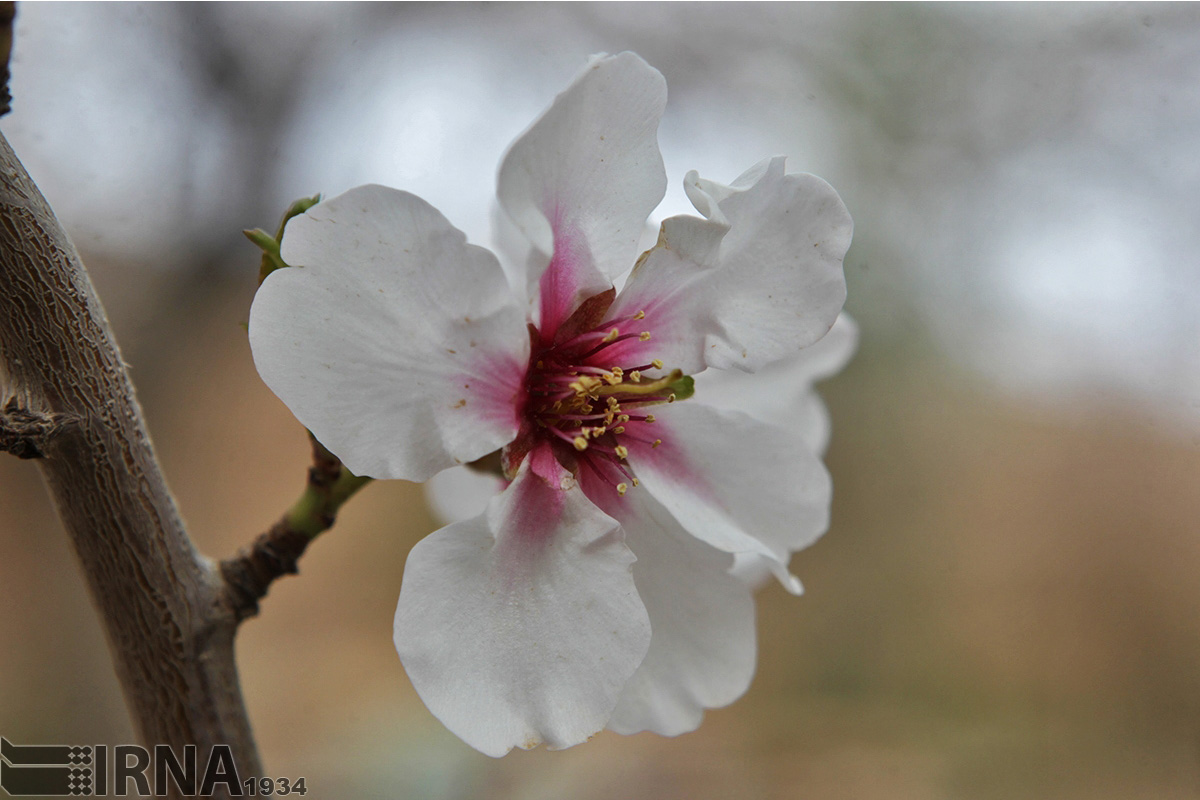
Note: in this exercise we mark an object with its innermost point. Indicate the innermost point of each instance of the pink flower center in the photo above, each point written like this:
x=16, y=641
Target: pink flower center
x=587, y=408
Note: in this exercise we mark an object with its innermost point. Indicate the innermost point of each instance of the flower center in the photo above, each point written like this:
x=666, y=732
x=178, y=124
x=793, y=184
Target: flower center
x=592, y=411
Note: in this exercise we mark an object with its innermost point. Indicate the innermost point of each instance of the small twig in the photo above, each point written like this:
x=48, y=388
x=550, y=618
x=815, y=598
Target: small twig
x=274, y=554
x=25, y=433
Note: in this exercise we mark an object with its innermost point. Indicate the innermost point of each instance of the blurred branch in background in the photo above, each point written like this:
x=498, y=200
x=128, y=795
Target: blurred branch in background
x=8, y=11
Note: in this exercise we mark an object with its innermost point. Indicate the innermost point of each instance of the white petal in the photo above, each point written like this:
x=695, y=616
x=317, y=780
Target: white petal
x=780, y=263
x=781, y=393
x=674, y=285
x=399, y=345
x=702, y=653
x=757, y=281
x=752, y=569
x=738, y=484
x=522, y=626
x=583, y=179
x=460, y=493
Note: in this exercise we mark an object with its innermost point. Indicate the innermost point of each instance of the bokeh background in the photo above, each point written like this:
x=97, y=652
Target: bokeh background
x=1006, y=603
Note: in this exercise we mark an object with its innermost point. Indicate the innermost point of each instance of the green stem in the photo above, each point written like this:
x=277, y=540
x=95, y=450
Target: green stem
x=313, y=513
x=271, y=259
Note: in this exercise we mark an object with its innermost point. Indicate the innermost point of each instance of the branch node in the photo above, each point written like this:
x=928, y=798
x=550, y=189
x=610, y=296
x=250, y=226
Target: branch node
x=249, y=573
x=26, y=433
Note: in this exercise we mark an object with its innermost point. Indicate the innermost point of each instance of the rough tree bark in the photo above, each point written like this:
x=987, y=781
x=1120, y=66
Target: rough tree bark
x=169, y=617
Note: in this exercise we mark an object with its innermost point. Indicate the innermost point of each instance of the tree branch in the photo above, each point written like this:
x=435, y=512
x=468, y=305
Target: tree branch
x=274, y=554
x=165, y=609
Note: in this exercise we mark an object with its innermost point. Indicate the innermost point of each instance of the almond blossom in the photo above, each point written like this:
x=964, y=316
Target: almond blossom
x=609, y=582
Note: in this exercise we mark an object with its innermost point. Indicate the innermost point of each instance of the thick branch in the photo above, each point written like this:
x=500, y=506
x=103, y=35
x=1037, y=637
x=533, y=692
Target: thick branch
x=167, y=617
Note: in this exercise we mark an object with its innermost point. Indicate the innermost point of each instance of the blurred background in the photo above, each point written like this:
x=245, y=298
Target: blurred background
x=1005, y=605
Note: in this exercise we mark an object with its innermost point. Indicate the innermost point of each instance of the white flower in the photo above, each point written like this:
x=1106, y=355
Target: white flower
x=597, y=589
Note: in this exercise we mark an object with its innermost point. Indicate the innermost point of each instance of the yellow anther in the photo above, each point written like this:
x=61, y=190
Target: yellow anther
x=622, y=451
x=657, y=363
x=580, y=443
x=598, y=432
x=623, y=418
x=671, y=397
x=611, y=336
x=585, y=385
x=622, y=488
x=617, y=371
x=612, y=380
x=539, y=365
x=619, y=429
x=644, y=336
x=635, y=481
x=639, y=315
x=657, y=442
x=649, y=418
x=635, y=376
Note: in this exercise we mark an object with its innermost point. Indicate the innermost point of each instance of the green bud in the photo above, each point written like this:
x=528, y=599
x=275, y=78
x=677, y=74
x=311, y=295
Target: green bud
x=271, y=260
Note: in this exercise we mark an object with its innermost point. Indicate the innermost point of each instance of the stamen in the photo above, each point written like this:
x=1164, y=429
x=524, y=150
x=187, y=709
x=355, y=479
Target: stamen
x=605, y=343
x=582, y=417
x=622, y=488
x=586, y=385
x=581, y=393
